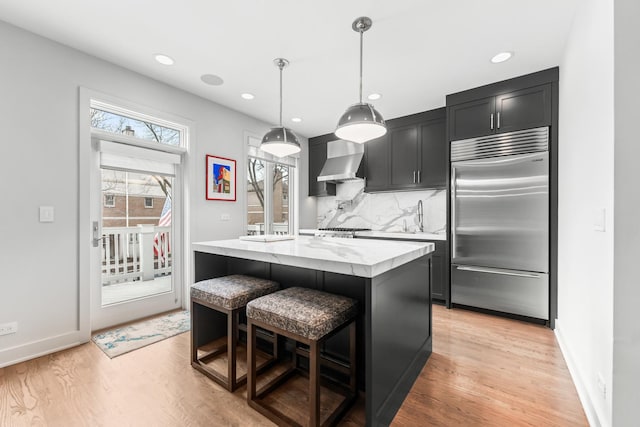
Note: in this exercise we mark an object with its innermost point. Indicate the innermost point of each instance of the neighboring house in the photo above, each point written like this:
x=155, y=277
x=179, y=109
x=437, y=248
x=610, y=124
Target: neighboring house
x=142, y=210
x=130, y=200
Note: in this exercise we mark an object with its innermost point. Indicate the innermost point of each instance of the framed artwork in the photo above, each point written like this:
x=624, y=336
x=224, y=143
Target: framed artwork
x=221, y=178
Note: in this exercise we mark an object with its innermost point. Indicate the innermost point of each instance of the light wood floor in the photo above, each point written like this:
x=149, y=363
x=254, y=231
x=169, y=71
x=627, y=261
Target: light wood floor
x=484, y=370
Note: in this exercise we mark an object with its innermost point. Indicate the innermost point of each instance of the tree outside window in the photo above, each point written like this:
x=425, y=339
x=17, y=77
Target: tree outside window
x=256, y=195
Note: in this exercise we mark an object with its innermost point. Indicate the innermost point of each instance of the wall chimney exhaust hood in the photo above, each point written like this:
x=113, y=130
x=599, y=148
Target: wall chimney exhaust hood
x=344, y=162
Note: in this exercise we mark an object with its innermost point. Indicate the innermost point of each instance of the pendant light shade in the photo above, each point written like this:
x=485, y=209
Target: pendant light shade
x=280, y=141
x=361, y=122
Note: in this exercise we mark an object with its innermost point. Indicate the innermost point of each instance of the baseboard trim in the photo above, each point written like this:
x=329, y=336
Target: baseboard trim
x=587, y=404
x=21, y=353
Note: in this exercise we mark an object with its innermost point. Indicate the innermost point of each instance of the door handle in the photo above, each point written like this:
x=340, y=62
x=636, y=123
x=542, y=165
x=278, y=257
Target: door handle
x=491, y=121
x=414, y=177
x=418, y=176
x=498, y=120
x=497, y=271
x=95, y=228
x=453, y=212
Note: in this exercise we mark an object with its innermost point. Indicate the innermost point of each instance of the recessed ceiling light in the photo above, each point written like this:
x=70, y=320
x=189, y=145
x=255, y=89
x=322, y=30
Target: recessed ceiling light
x=501, y=57
x=247, y=96
x=296, y=119
x=164, y=59
x=211, y=79
x=374, y=96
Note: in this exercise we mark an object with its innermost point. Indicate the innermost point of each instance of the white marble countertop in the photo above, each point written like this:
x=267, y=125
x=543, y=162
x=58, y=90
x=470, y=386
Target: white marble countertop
x=387, y=235
x=356, y=257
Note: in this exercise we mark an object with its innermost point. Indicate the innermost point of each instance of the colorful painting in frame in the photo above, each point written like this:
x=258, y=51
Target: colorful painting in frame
x=221, y=178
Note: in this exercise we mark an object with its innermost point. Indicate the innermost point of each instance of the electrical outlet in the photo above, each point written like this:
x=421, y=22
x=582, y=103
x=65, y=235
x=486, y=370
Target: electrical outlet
x=8, y=328
x=602, y=386
x=225, y=217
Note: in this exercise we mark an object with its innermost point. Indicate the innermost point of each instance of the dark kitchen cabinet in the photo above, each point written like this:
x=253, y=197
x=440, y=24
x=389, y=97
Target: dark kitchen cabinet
x=434, y=154
x=440, y=268
x=412, y=155
x=376, y=158
x=317, y=157
x=440, y=273
x=404, y=161
x=520, y=109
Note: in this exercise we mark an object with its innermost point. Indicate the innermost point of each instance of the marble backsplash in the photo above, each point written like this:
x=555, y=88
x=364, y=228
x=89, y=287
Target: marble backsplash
x=392, y=212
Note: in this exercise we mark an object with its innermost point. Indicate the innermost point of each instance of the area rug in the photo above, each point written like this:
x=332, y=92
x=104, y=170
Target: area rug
x=137, y=335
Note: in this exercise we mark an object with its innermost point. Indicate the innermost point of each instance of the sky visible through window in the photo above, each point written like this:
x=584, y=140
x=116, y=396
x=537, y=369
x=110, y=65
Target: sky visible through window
x=116, y=123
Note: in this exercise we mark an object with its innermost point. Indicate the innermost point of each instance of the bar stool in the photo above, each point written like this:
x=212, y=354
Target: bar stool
x=227, y=295
x=308, y=317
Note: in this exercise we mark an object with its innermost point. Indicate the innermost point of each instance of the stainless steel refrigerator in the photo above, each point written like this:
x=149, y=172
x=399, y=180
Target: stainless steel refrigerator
x=500, y=222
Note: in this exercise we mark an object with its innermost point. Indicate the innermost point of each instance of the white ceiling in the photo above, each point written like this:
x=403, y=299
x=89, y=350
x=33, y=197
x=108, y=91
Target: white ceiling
x=417, y=51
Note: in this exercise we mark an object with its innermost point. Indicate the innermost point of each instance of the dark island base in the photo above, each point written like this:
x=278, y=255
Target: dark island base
x=394, y=323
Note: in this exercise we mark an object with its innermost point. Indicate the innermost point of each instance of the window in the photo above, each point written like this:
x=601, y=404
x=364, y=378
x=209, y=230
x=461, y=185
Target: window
x=116, y=120
x=280, y=195
x=109, y=201
x=148, y=202
x=269, y=192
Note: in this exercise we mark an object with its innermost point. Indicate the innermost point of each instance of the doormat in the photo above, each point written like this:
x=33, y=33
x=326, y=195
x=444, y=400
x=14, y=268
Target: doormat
x=137, y=335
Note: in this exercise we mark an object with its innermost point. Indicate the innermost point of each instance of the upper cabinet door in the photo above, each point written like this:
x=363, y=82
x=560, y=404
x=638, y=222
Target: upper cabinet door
x=471, y=119
x=434, y=155
x=376, y=154
x=404, y=160
x=523, y=109
x=317, y=157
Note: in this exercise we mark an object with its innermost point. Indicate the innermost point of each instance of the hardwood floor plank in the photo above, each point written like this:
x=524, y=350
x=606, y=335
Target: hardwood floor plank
x=484, y=370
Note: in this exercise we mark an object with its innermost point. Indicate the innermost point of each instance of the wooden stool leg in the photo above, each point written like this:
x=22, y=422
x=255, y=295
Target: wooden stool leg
x=314, y=384
x=232, y=340
x=194, y=333
x=251, y=361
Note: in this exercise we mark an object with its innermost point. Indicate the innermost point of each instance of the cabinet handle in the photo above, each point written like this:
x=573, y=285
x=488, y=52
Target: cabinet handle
x=414, y=177
x=418, y=176
x=491, y=121
x=498, y=126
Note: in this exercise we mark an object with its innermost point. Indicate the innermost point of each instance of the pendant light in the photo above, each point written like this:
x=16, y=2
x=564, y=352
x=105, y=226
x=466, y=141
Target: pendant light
x=280, y=141
x=361, y=122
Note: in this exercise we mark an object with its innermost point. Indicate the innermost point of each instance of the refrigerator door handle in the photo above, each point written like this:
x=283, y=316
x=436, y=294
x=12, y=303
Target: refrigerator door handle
x=453, y=212
x=497, y=271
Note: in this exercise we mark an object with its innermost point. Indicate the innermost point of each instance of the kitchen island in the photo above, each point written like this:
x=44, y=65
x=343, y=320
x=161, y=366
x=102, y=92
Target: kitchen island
x=390, y=280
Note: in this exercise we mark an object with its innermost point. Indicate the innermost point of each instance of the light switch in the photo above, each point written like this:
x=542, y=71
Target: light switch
x=599, y=219
x=46, y=213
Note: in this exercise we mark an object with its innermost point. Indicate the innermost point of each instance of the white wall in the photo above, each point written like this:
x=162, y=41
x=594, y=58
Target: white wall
x=39, y=86
x=626, y=300
x=586, y=171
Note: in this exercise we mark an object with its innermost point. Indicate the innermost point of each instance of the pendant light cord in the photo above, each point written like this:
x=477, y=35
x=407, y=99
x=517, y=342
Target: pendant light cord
x=361, y=37
x=281, y=65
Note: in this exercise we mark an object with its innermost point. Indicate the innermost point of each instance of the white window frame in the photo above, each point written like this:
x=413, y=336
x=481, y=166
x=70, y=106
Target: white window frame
x=251, y=142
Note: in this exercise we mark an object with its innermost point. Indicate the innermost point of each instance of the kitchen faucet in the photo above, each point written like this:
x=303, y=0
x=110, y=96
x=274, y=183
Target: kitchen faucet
x=420, y=216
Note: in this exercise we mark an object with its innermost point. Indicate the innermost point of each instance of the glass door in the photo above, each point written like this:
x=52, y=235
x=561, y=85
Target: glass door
x=136, y=236
x=135, y=214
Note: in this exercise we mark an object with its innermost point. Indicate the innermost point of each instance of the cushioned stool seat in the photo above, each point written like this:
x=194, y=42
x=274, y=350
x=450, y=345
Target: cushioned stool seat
x=228, y=295
x=309, y=317
x=232, y=292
